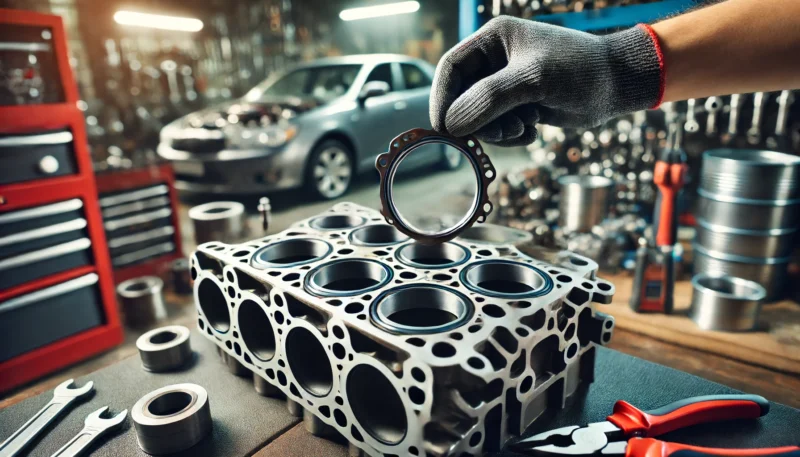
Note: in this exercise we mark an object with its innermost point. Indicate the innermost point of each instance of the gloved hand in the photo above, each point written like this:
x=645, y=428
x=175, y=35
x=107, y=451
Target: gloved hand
x=513, y=73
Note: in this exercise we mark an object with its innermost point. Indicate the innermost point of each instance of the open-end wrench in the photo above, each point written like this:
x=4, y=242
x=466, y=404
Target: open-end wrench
x=93, y=428
x=733, y=120
x=713, y=105
x=754, y=133
x=691, y=124
x=63, y=396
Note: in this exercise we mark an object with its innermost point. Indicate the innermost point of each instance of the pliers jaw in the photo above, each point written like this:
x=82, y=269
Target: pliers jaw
x=571, y=440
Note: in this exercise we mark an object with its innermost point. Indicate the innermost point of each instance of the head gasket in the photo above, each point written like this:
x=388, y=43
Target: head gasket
x=401, y=147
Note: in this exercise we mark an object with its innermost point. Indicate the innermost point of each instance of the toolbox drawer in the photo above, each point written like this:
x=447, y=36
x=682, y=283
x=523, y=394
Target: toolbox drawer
x=36, y=156
x=40, y=241
x=39, y=318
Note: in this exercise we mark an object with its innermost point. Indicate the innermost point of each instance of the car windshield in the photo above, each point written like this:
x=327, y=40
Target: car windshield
x=322, y=83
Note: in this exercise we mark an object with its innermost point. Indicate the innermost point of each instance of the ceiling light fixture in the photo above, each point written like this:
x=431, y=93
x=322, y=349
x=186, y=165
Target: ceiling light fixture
x=158, y=21
x=368, y=12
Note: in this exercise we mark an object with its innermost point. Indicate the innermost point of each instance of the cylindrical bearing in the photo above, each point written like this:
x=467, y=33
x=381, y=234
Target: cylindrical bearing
x=165, y=348
x=218, y=221
x=141, y=301
x=172, y=419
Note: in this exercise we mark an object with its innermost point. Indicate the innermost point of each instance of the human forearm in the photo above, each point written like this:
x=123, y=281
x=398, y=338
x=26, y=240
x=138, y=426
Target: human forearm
x=736, y=46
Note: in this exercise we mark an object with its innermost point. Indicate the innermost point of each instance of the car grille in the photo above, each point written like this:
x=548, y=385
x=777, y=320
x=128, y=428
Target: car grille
x=198, y=145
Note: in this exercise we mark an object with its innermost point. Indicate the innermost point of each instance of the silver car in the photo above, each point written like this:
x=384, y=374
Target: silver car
x=314, y=126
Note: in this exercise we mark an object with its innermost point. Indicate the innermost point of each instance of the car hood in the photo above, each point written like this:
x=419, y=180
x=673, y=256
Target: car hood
x=264, y=113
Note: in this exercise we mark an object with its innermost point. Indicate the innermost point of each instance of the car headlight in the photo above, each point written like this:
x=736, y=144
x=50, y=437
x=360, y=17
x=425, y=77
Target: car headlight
x=255, y=138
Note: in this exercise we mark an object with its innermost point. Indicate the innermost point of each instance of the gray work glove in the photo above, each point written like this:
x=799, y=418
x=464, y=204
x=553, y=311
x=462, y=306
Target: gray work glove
x=512, y=73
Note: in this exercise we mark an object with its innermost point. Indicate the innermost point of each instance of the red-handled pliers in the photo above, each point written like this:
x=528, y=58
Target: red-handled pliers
x=628, y=431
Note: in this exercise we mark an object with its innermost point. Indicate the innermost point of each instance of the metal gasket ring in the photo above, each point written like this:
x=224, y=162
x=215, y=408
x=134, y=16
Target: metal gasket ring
x=165, y=348
x=403, y=145
x=172, y=419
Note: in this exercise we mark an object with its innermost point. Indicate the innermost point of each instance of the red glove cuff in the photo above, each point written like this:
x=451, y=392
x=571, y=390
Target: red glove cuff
x=660, y=54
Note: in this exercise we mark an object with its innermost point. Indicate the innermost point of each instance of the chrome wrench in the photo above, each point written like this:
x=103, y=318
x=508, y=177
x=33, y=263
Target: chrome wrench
x=754, y=133
x=713, y=105
x=63, y=397
x=94, y=427
x=691, y=124
x=779, y=140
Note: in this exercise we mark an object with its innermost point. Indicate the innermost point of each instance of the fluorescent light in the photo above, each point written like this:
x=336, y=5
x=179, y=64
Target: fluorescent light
x=158, y=21
x=389, y=9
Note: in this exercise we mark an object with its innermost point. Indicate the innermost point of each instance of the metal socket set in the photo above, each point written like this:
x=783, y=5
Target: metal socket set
x=747, y=215
x=402, y=348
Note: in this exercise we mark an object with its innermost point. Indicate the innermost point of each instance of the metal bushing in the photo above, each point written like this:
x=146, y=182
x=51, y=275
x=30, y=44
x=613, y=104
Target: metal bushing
x=164, y=349
x=406, y=143
x=218, y=221
x=172, y=419
x=181, y=275
x=141, y=301
x=727, y=303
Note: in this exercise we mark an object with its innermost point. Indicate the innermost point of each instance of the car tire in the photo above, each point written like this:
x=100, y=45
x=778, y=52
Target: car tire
x=330, y=170
x=451, y=158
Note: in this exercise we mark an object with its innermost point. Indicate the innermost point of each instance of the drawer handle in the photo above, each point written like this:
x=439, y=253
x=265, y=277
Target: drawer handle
x=43, y=232
x=47, y=253
x=35, y=140
x=49, y=292
x=133, y=196
x=41, y=211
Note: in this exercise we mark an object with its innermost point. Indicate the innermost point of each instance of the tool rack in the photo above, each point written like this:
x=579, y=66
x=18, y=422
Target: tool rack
x=57, y=302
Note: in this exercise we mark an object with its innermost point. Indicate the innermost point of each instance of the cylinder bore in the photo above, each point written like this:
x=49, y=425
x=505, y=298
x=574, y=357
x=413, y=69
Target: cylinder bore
x=377, y=235
x=256, y=329
x=495, y=234
x=376, y=404
x=498, y=278
x=442, y=255
x=421, y=309
x=309, y=362
x=347, y=277
x=290, y=253
x=336, y=222
x=214, y=305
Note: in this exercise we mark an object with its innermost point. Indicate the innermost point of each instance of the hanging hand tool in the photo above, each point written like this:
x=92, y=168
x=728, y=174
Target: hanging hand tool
x=780, y=140
x=754, y=132
x=733, y=119
x=691, y=124
x=628, y=431
x=654, y=279
x=63, y=397
x=94, y=427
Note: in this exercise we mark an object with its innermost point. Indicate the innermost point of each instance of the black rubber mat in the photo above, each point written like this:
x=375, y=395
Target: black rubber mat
x=245, y=422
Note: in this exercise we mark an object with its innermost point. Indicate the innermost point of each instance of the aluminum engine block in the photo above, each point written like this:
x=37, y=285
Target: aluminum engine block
x=403, y=349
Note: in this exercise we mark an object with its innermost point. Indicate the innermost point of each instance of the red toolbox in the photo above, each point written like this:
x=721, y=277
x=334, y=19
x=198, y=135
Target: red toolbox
x=140, y=215
x=57, y=303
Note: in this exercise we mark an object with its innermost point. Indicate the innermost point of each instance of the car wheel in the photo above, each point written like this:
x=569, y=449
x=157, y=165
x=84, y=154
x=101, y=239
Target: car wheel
x=330, y=170
x=451, y=158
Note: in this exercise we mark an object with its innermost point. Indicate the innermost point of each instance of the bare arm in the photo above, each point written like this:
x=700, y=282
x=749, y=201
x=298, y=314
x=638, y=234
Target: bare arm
x=737, y=46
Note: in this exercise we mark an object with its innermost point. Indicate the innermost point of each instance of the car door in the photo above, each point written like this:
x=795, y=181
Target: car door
x=412, y=109
x=376, y=127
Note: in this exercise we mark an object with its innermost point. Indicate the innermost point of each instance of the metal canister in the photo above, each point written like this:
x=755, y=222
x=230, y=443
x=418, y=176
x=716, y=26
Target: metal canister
x=218, y=221
x=142, y=301
x=751, y=174
x=585, y=201
x=772, y=243
x=771, y=273
x=727, y=303
x=748, y=214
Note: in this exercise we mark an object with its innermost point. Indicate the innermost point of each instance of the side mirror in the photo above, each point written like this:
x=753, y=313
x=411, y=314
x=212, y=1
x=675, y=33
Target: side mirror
x=373, y=89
